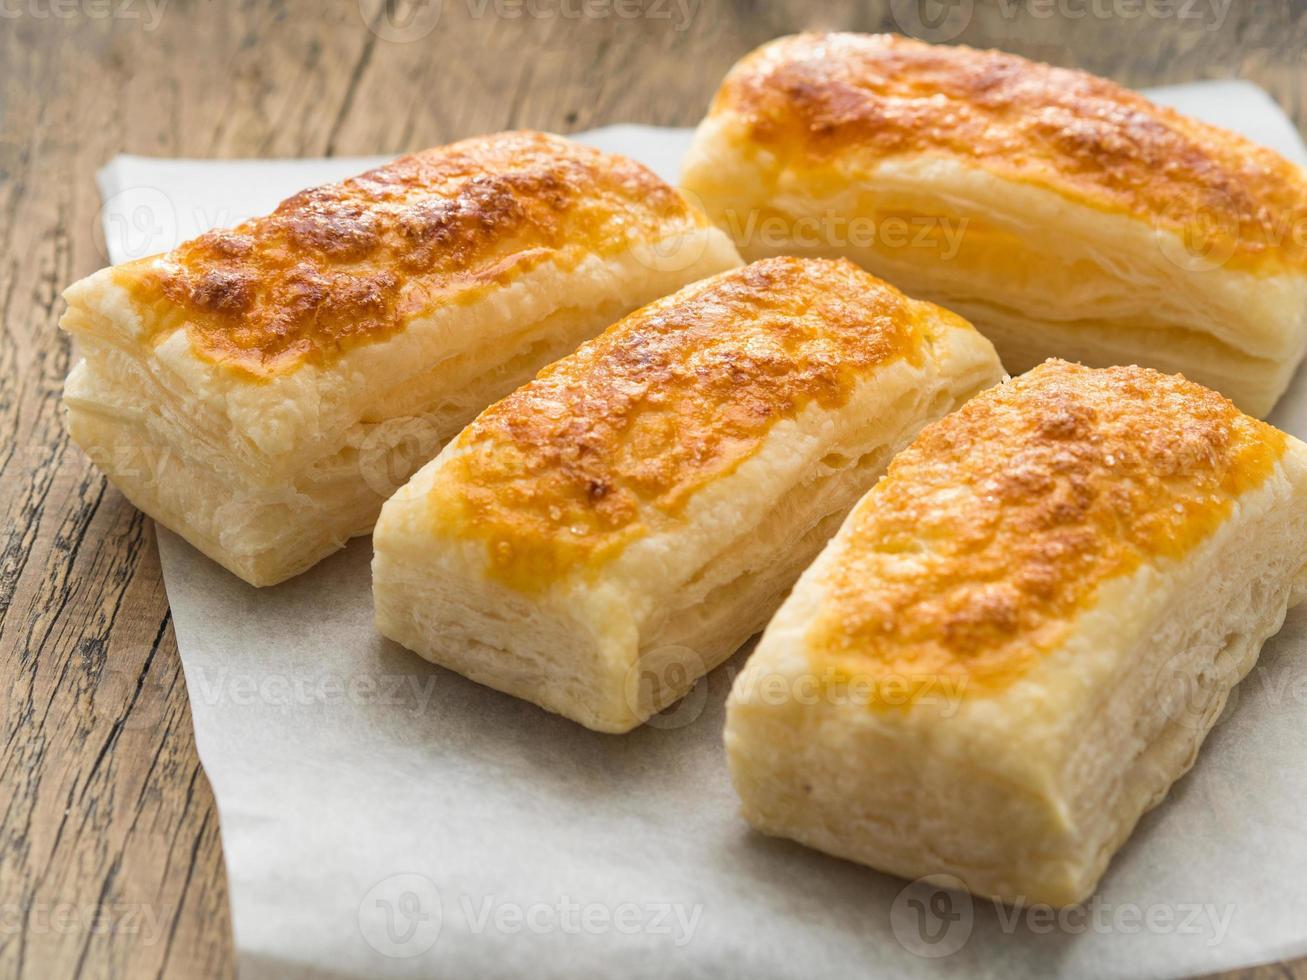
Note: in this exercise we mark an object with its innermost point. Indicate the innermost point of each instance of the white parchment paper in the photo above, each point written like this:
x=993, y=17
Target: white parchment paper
x=382, y=816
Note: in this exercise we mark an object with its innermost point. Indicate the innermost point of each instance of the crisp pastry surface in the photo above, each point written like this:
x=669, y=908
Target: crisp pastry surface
x=261, y=389
x=1009, y=612
x=994, y=529
x=1062, y=214
x=817, y=97
x=679, y=468
x=560, y=473
x=352, y=262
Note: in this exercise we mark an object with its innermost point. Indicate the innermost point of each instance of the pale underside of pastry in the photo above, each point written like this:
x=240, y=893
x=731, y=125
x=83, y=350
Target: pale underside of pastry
x=600, y=539
x=1020, y=638
x=1063, y=215
x=262, y=390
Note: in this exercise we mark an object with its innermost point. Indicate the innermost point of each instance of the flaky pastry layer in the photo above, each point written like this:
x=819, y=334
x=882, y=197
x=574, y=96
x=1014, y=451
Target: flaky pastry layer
x=1019, y=639
x=652, y=496
x=236, y=391
x=1057, y=211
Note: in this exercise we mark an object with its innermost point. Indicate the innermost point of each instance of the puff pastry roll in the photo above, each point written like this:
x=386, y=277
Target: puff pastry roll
x=261, y=390
x=1061, y=214
x=608, y=533
x=1021, y=636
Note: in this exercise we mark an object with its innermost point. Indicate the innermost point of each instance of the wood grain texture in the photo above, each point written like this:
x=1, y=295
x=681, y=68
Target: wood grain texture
x=110, y=860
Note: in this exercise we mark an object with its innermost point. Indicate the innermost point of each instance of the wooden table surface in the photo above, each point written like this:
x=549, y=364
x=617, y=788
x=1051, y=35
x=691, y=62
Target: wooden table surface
x=110, y=859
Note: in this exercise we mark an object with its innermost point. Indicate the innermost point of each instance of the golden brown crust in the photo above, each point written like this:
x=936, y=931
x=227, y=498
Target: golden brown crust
x=677, y=394
x=354, y=262
x=814, y=98
x=996, y=526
